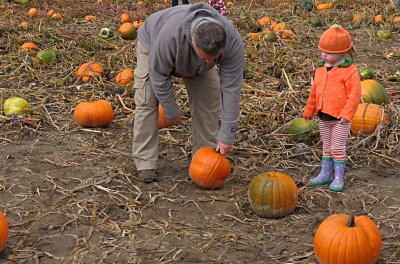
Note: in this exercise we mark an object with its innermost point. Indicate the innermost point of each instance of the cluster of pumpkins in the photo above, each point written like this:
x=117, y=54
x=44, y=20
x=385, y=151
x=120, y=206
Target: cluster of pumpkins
x=369, y=115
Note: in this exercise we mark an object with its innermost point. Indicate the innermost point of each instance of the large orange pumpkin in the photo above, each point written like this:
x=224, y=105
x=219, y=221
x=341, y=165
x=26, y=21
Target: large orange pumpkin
x=124, y=77
x=373, y=92
x=93, y=114
x=347, y=240
x=3, y=231
x=88, y=70
x=209, y=169
x=367, y=118
x=163, y=122
x=273, y=194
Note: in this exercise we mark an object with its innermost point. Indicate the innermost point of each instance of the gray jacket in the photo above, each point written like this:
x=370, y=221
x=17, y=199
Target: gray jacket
x=167, y=35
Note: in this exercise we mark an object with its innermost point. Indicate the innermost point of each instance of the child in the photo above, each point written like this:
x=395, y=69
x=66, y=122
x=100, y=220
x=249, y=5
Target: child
x=175, y=2
x=219, y=5
x=334, y=97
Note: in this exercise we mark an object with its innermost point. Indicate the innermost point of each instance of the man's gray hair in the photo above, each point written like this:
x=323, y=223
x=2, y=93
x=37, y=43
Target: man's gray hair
x=210, y=37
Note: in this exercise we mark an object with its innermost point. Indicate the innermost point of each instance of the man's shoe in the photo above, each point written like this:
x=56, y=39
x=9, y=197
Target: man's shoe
x=148, y=176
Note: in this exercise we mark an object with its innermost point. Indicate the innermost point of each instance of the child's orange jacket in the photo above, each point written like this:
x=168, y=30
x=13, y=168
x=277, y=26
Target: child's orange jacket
x=337, y=92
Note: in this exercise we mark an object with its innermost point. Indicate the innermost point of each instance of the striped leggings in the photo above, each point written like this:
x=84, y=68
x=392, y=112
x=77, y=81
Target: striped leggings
x=334, y=136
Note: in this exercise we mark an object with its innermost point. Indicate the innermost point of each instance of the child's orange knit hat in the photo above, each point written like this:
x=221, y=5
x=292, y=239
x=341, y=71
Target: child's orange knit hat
x=335, y=40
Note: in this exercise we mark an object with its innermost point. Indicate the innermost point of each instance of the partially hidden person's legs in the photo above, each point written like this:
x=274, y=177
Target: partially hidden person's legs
x=185, y=2
x=174, y=3
x=145, y=130
x=204, y=101
x=326, y=174
x=340, y=134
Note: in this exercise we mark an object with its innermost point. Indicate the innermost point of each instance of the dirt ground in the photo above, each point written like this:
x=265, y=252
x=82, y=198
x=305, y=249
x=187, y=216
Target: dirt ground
x=71, y=194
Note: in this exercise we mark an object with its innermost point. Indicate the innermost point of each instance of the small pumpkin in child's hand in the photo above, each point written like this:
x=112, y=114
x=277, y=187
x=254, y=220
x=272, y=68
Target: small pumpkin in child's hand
x=347, y=239
x=273, y=194
x=94, y=114
x=209, y=169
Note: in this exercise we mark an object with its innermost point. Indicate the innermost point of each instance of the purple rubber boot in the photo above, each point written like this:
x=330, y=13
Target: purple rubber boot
x=326, y=174
x=338, y=182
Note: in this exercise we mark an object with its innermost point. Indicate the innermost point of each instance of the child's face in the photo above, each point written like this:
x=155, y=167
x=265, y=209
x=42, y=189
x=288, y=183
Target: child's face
x=331, y=58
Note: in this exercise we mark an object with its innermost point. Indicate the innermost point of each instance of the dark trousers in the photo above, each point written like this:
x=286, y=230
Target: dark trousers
x=175, y=2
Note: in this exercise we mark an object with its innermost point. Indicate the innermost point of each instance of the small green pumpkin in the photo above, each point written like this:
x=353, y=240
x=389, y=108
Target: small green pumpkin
x=383, y=34
x=16, y=105
x=306, y=5
x=373, y=92
x=365, y=72
x=315, y=21
x=106, y=33
x=302, y=130
x=46, y=56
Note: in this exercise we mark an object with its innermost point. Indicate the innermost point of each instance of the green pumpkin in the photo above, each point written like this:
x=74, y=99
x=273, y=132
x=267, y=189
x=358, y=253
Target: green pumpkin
x=46, y=56
x=302, y=130
x=384, y=34
x=16, y=105
x=306, y=5
x=373, y=92
x=106, y=33
x=270, y=37
x=244, y=15
x=315, y=21
x=365, y=72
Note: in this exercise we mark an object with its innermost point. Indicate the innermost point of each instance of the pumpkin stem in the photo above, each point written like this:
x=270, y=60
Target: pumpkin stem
x=92, y=98
x=351, y=222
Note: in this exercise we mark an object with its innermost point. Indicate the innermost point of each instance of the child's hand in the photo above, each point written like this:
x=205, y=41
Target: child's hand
x=343, y=121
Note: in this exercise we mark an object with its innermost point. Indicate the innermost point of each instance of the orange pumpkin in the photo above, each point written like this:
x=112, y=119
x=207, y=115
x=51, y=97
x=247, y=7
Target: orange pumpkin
x=287, y=33
x=51, y=12
x=127, y=31
x=124, y=77
x=347, y=240
x=163, y=122
x=125, y=18
x=273, y=194
x=264, y=21
x=23, y=25
x=277, y=27
x=3, y=231
x=373, y=92
x=94, y=114
x=396, y=19
x=57, y=16
x=33, y=12
x=29, y=48
x=358, y=18
x=209, y=169
x=254, y=37
x=378, y=18
x=87, y=71
x=137, y=24
x=89, y=17
x=367, y=118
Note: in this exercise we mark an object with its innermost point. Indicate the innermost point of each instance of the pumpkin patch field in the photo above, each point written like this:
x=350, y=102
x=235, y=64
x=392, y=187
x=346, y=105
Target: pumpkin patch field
x=69, y=191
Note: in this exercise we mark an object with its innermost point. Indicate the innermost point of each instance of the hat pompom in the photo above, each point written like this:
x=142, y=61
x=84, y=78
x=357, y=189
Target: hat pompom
x=335, y=40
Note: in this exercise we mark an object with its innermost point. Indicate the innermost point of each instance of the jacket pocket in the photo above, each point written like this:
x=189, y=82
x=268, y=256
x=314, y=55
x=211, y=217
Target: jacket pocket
x=141, y=85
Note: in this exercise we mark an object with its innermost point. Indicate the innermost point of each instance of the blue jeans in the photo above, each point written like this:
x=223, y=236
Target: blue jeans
x=185, y=2
x=398, y=3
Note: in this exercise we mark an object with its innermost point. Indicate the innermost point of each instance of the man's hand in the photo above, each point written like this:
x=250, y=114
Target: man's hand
x=223, y=148
x=178, y=119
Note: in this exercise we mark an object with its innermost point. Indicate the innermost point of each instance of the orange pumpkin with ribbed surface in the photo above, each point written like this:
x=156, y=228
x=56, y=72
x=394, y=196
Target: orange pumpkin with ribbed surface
x=94, y=114
x=273, y=194
x=209, y=169
x=347, y=240
x=87, y=71
x=124, y=77
x=367, y=118
x=3, y=231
